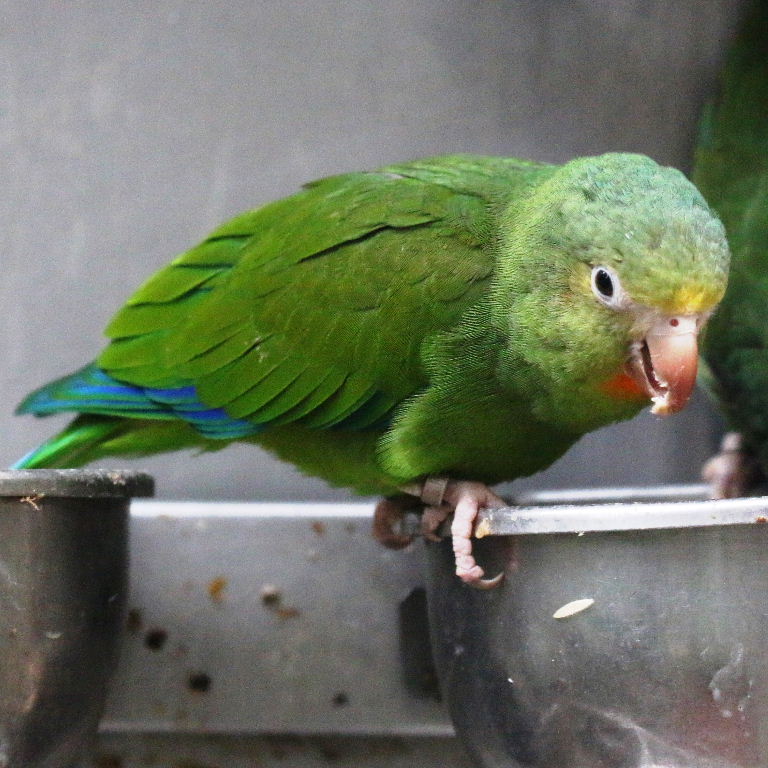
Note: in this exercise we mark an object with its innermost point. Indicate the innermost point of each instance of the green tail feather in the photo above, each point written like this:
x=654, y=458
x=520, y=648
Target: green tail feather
x=88, y=438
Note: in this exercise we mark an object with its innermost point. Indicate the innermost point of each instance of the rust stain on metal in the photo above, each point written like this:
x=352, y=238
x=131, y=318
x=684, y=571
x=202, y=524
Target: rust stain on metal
x=216, y=589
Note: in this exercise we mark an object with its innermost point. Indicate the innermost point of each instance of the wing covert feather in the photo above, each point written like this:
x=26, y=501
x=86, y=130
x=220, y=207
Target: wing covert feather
x=312, y=308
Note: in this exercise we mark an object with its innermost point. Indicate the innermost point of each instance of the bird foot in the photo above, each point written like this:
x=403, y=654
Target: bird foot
x=733, y=471
x=390, y=512
x=464, y=499
x=387, y=517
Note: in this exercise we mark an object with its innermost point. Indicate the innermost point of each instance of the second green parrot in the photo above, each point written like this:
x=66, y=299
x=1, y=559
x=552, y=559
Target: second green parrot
x=731, y=169
x=423, y=330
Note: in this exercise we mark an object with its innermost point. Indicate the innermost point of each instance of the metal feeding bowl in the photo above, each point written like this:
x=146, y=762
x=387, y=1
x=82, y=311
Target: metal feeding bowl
x=662, y=662
x=63, y=580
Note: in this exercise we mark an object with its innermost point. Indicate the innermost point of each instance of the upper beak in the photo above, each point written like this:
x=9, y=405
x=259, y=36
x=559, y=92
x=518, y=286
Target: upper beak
x=664, y=364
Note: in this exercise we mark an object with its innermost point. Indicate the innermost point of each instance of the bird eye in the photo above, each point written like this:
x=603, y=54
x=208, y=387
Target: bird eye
x=606, y=286
x=603, y=283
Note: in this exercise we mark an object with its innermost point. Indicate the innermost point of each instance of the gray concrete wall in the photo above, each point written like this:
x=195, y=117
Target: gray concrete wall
x=128, y=129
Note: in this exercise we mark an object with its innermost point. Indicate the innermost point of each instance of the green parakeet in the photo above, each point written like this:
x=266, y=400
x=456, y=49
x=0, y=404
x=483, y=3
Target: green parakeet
x=427, y=328
x=731, y=169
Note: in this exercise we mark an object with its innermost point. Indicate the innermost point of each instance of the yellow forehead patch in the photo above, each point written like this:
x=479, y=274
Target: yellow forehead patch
x=691, y=299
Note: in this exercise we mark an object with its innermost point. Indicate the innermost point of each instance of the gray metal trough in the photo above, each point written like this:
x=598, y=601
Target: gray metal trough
x=625, y=635
x=63, y=581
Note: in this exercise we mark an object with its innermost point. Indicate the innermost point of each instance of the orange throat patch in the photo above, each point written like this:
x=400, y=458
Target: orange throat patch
x=623, y=387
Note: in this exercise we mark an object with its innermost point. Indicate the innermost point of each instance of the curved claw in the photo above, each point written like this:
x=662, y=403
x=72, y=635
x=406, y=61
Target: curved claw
x=467, y=498
x=487, y=583
x=441, y=495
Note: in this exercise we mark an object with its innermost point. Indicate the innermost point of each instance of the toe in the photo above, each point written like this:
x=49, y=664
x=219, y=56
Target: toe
x=464, y=516
x=387, y=517
x=467, y=498
x=431, y=520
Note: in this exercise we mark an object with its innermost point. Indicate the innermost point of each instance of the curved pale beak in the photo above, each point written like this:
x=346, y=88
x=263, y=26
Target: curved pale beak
x=664, y=363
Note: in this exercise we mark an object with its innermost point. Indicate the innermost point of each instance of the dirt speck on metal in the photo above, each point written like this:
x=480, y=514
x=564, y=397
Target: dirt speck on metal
x=340, y=699
x=199, y=682
x=271, y=595
x=216, y=589
x=272, y=598
x=134, y=622
x=155, y=639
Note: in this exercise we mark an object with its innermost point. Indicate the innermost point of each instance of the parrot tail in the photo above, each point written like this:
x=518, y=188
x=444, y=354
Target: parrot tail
x=89, y=437
x=93, y=391
x=120, y=419
x=72, y=446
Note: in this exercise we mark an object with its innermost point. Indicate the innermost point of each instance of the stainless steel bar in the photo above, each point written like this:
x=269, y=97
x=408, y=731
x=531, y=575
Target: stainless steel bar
x=633, y=516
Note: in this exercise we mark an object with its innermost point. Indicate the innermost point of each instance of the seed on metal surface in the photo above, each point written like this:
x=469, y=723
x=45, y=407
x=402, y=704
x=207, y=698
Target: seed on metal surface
x=483, y=528
x=572, y=608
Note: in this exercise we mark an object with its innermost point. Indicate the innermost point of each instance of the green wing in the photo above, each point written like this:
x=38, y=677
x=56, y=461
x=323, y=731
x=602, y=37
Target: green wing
x=314, y=309
x=731, y=169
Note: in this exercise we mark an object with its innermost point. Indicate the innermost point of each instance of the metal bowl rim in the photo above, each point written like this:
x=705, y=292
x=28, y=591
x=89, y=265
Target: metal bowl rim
x=622, y=516
x=75, y=483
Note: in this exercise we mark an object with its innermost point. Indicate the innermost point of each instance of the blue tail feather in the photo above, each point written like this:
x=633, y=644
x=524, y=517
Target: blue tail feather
x=91, y=390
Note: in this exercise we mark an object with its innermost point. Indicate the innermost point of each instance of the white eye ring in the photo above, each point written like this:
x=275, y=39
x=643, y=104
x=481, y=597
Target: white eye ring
x=607, y=287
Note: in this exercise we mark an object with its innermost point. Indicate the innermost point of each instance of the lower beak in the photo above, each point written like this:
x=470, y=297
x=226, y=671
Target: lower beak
x=664, y=364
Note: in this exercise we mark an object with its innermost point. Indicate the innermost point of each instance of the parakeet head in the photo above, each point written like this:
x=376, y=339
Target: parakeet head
x=612, y=266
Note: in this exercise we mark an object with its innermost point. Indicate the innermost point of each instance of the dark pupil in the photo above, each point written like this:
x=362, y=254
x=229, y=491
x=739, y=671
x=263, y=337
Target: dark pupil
x=604, y=283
